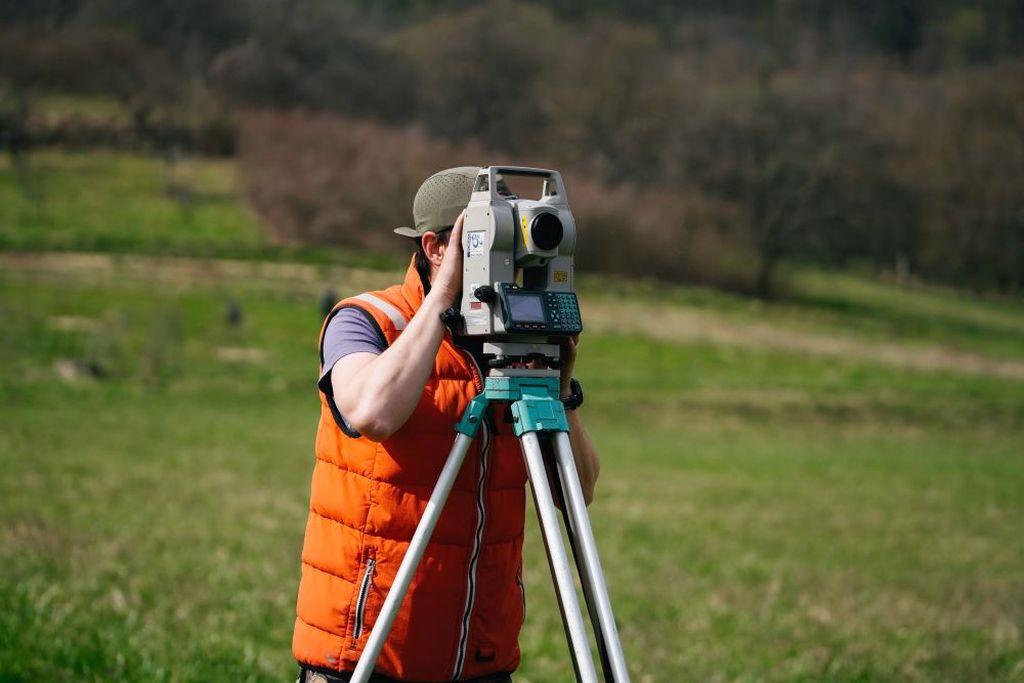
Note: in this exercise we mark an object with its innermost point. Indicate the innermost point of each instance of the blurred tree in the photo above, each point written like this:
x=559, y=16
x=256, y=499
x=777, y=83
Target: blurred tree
x=46, y=14
x=806, y=177
x=475, y=75
x=191, y=32
x=966, y=37
x=613, y=103
x=973, y=178
x=896, y=26
x=316, y=54
x=104, y=62
x=19, y=70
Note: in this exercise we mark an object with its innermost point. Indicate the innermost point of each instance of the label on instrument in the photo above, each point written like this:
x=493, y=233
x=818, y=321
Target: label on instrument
x=477, y=243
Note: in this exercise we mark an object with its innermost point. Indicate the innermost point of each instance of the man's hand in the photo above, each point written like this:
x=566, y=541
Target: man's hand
x=448, y=281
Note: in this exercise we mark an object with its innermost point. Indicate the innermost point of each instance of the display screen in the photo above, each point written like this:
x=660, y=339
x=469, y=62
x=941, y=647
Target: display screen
x=525, y=309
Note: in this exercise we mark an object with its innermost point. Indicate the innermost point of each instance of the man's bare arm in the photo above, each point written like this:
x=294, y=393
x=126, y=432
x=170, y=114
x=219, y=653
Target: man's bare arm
x=377, y=393
x=588, y=463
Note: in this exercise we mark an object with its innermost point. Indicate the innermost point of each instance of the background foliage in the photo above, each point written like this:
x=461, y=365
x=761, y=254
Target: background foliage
x=745, y=134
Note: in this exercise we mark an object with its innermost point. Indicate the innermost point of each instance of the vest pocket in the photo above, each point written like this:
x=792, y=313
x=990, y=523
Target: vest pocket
x=364, y=592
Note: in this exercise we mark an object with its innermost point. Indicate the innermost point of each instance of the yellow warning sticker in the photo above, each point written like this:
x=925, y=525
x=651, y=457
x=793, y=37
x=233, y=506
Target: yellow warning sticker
x=526, y=233
x=561, y=276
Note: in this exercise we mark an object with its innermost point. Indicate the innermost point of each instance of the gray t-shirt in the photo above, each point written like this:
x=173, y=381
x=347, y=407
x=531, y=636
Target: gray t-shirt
x=350, y=331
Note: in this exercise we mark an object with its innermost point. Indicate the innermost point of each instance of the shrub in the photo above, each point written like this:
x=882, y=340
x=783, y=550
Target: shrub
x=319, y=179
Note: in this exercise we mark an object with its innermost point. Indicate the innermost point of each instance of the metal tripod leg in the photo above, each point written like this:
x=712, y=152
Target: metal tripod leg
x=565, y=589
x=388, y=612
x=589, y=564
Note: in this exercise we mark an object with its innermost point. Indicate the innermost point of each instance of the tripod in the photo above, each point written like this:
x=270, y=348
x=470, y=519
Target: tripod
x=536, y=411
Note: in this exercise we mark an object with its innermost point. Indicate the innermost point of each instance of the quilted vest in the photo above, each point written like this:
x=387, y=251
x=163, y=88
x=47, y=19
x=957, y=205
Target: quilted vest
x=462, y=614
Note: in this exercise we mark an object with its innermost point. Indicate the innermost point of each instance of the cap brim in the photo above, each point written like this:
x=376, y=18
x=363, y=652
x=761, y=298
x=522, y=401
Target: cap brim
x=406, y=232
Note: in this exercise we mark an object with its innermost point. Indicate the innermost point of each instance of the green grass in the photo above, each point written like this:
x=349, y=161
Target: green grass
x=851, y=306
x=112, y=201
x=989, y=323
x=58, y=106
x=761, y=515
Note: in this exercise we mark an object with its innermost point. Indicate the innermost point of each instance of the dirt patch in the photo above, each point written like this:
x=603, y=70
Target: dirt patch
x=73, y=323
x=237, y=354
x=667, y=323
x=179, y=272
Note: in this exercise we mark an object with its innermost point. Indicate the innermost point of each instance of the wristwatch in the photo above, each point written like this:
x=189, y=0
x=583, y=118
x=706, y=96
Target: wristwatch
x=575, y=398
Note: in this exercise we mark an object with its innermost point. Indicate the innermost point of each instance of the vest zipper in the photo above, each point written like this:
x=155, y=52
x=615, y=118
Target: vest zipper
x=522, y=589
x=364, y=591
x=460, y=657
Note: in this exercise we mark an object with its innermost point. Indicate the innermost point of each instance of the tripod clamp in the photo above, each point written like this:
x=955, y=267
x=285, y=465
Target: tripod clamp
x=533, y=394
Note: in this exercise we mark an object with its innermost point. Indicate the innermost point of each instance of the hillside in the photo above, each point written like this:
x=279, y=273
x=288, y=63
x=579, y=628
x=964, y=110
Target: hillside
x=718, y=142
x=821, y=488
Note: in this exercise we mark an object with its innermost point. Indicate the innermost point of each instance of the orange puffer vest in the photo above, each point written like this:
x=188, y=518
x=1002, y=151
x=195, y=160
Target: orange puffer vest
x=465, y=606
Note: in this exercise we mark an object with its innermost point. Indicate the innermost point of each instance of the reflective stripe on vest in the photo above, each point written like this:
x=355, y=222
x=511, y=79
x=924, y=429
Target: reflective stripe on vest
x=387, y=309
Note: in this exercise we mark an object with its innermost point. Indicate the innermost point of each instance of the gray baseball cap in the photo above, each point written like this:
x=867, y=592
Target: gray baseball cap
x=440, y=200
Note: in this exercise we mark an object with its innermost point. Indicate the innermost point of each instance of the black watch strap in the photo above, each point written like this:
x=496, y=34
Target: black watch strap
x=451, y=317
x=575, y=398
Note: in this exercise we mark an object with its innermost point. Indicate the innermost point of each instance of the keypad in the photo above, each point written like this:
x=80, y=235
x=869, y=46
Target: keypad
x=564, y=311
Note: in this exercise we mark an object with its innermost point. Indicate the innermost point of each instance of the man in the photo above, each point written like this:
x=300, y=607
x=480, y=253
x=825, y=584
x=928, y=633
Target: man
x=393, y=384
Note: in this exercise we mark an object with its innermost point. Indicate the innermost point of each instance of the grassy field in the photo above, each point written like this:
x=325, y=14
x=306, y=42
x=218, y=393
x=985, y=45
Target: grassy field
x=113, y=202
x=109, y=200
x=786, y=493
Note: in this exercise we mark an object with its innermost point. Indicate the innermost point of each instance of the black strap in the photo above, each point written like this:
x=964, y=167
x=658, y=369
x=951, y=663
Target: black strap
x=325, y=383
